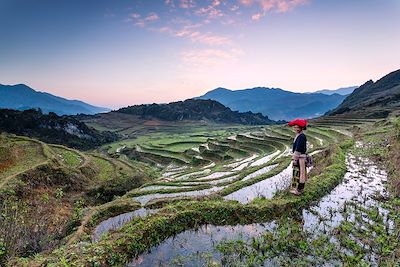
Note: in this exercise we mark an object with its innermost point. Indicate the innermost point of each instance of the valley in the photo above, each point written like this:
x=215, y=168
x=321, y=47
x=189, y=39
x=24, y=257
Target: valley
x=129, y=198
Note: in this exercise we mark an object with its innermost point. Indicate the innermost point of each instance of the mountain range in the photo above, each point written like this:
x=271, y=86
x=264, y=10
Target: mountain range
x=22, y=97
x=276, y=103
x=195, y=110
x=373, y=99
x=340, y=91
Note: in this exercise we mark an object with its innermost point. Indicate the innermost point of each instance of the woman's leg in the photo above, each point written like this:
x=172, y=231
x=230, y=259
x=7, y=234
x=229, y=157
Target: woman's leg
x=302, y=163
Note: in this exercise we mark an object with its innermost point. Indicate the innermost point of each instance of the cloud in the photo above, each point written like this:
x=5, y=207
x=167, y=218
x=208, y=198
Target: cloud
x=234, y=8
x=281, y=6
x=152, y=17
x=134, y=15
x=257, y=16
x=164, y=29
x=204, y=38
x=140, y=23
x=170, y=3
x=210, y=11
x=187, y=3
x=210, y=57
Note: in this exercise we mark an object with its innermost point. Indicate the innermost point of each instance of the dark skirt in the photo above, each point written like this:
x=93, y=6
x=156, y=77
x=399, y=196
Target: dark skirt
x=296, y=175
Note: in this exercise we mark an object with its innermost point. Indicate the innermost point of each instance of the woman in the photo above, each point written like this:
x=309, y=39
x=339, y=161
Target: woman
x=299, y=156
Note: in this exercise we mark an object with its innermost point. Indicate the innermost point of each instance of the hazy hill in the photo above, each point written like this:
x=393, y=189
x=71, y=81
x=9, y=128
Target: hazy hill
x=373, y=99
x=195, y=110
x=22, y=97
x=340, y=91
x=275, y=103
x=52, y=128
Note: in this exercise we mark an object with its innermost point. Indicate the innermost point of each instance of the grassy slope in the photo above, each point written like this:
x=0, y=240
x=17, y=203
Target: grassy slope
x=44, y=190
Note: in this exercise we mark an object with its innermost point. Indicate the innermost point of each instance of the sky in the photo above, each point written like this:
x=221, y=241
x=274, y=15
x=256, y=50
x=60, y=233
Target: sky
x=118, y=53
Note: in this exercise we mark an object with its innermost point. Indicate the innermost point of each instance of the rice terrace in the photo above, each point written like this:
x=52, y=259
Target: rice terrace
x=163, y=173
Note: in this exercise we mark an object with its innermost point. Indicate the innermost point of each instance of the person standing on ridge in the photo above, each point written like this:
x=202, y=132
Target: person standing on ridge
x=299, y=156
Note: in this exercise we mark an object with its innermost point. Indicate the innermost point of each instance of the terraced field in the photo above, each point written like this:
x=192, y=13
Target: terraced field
x=223, y=200
x=44, y=190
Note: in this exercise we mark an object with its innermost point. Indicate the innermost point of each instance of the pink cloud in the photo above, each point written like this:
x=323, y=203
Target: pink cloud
x=162, y=30
x=210, y=11
x=204, y=38
x=257, y=16
x=152, y=17
x=216, y=3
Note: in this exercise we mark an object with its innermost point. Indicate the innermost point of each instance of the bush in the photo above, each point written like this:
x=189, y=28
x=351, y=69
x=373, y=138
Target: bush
x=397, y=128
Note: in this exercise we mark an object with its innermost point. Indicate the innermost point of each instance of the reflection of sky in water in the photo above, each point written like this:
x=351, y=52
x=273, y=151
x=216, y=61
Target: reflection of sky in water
x=362, y=181
x=118, y=221
x=146, y=198
x=266, y=188
x=189, y=175
x=194, y=242
x=241, y=162
x=265, y=159
x=157, y=187
x=214, y=175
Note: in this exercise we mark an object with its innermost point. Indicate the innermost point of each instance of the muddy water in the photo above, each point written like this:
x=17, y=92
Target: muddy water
x=361, y=183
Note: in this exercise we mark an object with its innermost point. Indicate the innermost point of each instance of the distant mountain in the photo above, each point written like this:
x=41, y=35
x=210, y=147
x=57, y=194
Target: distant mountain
x=275, y=103
x=340, y=91
x=373, y=99
x=22, y=97
x=195, y=110
x=52, y=128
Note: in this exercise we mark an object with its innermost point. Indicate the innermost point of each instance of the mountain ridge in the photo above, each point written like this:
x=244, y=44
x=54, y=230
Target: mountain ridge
x=378, y=98
x=23, y=97
x=270, y=102
x=195, y=110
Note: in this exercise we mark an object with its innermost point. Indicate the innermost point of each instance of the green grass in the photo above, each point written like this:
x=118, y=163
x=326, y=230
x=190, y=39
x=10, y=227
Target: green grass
x=68, y=157
x=106, y=169
x=23, y=155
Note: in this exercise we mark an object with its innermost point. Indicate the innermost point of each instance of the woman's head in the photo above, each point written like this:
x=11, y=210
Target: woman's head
x=298, y=124
x=298, y=128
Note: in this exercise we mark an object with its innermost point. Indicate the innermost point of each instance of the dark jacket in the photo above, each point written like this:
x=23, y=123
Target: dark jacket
x=300, y=145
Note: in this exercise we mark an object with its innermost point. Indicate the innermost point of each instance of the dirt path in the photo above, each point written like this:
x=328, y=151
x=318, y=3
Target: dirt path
x=81, y=227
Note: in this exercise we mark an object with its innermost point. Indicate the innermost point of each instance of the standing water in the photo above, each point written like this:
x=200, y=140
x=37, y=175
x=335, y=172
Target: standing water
x=362, y=181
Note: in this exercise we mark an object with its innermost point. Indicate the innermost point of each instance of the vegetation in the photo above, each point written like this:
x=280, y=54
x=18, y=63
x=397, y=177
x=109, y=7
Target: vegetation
x=101, y=187
x=52, y=128
x=45, y=189
x=196, y=109
x=373, y=100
